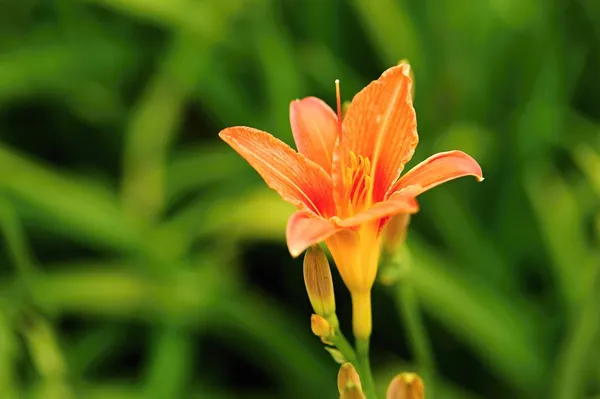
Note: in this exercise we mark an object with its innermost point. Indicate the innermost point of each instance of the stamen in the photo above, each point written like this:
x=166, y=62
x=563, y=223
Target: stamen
x=353, y=161
x=339, y=108
x=358, y=182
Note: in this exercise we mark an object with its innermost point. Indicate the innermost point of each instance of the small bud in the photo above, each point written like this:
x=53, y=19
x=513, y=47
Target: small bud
x=394, y=233
x=320, y=327
x=406, y=386
x=318, y=282
x=347, y=378
x=336, y=355
x=353, y=393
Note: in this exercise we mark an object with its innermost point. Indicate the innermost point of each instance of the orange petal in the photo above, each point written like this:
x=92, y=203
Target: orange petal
x=438, y=169
x=297, y=179
x=304, y=230
x=381, y=125
x=314, y=125
x=397, y=203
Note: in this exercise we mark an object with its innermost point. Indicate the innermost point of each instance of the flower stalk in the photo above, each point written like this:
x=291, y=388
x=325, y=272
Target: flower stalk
x=362, y=323
x=364, y=366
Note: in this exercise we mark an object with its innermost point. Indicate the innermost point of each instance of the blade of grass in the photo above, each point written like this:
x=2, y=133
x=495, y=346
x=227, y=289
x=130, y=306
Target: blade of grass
x=392, y=31
x=18, y=248
x=80, y=211
x=562, y=225
x=322, y=65
x=449, y=215
x=169, y=367
x=282, y=78
x=8, y=355
x=47, y=356
x=588, y=161
x=578, y=349
x=34, y=68
x=409, y=308
x=262, y=329
x=86, y=353
x=110, y=290
x=206, y=19
x=185, y=172
x=496, y=327
x=235, y=218
x=152, y=129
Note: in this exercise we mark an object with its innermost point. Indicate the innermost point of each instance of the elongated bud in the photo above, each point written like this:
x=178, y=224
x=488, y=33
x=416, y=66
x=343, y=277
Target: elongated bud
x=318, y=282
x=348, y=378
x=353, y=393
x=394, y=233
x=406, y=386
x=320, y=327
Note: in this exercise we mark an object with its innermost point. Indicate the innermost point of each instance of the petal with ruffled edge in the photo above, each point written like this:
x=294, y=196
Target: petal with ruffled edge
x=304, y=230
x=314, y=125
x=436, y=170
x=381, y=125
x=297, y=179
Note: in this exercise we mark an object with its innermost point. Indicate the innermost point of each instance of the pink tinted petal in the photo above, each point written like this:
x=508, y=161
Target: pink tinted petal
x=436, y=170
x=304, y=230
x=381, y=125
x=297, y=179
x=314, y=125
x=397, y=203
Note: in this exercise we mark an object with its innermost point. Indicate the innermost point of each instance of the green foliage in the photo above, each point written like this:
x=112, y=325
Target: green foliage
x=128, y=227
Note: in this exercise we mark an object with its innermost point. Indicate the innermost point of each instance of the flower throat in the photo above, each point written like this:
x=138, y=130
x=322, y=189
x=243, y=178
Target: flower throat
x=357, y=177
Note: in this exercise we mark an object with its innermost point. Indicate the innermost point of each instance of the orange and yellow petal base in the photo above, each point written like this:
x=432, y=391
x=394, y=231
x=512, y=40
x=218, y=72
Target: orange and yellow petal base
x=356, y=255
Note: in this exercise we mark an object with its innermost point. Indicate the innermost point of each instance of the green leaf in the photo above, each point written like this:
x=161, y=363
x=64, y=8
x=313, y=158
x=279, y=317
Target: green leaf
x=392, y=31
x=271, y=334
x=152, y=129
x=9, y=350
x=195, y=167
x=78, y=209
x=562, y=226
x=235, y=218
x=170, y=361
x=113, y=290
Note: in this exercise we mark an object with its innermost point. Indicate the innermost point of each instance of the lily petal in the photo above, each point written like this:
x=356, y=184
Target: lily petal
x=381, y=125
x=438, y=169
x=297, y=179
x=304, y=230
x=314, y=125
x=397, y=203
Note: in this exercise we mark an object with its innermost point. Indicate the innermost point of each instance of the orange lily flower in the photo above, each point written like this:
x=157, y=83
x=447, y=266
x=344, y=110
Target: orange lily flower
x=345, y=178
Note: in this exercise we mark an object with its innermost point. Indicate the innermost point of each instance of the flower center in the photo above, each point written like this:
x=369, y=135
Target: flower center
x=358, y=183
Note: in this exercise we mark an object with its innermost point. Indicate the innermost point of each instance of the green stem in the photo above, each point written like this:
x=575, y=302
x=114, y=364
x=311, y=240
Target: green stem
x=341, y=343
x=407, y=304
x=364, y=368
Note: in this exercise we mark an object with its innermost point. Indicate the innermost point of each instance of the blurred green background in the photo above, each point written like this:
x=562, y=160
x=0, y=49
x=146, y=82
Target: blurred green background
x=142, y=258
